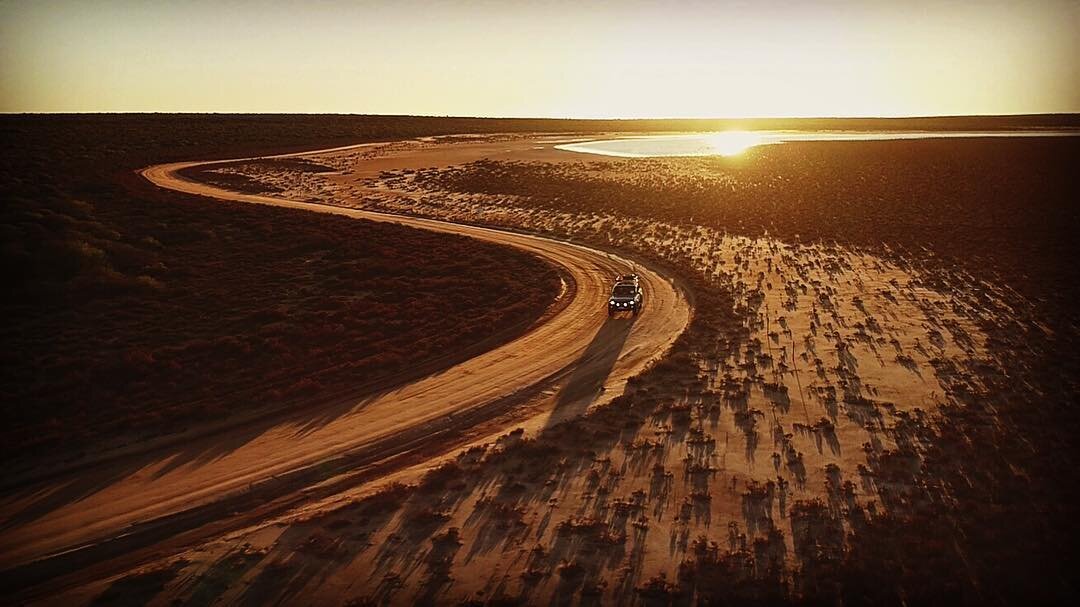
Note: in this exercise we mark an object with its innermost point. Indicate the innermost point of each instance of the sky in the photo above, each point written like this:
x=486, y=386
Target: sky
x=613, y=59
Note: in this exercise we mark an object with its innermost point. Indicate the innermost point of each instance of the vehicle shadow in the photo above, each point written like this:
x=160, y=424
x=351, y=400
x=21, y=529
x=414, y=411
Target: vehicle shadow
x=28, y=499
x=35, y=500
x=591, y=369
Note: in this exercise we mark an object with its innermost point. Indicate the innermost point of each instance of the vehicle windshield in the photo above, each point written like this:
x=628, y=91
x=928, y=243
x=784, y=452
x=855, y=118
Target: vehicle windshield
x=624, y=291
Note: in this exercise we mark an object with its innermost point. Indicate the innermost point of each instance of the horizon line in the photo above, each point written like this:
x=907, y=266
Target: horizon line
x=560, y=118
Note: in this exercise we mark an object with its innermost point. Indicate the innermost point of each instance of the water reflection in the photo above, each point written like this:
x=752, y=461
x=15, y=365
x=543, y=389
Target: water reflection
x=730, y=143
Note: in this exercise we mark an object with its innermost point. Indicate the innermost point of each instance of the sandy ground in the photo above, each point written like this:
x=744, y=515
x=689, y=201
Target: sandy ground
x=754, y=432
x=574, y=359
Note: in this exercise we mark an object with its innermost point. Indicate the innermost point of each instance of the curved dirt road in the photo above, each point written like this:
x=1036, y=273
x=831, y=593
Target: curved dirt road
x=577, y=351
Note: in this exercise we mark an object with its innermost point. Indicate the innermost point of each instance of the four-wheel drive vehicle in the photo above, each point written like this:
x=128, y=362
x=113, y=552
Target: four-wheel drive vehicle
x=626, y=295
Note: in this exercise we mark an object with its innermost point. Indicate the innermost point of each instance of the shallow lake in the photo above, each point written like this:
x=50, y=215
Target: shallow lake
x=727, y=143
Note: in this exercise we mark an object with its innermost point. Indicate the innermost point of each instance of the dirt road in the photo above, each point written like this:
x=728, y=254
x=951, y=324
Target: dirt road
x=71, y=521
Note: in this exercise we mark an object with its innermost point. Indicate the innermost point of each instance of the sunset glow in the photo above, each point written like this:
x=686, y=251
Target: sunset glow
x=730, y=143
x=489, y=302
x=560, y=59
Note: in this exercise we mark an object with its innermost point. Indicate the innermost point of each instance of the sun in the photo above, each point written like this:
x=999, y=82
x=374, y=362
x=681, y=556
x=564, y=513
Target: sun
x=729, y=143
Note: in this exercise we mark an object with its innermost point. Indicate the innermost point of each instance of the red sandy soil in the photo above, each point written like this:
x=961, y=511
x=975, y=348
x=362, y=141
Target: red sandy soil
x=857, y=415
x=857, y=411
x=297, y=453
x=134, y=313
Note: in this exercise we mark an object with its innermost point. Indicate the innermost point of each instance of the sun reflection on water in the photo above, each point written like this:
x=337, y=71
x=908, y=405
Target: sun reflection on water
x=730, y=143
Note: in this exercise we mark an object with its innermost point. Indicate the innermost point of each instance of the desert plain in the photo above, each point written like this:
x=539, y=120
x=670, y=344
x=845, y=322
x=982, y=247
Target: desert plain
x=854, y=378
